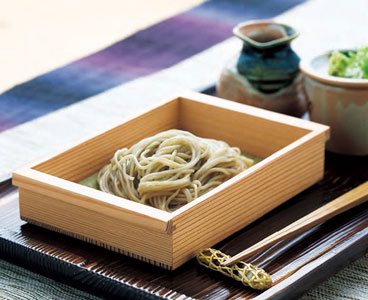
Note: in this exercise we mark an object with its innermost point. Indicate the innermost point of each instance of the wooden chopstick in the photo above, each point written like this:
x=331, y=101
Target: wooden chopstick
x=348, y=200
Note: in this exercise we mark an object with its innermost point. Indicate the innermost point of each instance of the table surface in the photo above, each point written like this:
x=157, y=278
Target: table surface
x=343, y=285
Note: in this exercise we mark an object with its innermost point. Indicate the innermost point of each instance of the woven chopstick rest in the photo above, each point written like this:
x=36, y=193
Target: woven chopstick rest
x=248, y=274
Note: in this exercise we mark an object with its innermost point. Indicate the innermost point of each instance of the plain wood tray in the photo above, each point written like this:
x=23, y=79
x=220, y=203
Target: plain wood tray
x=292, y=152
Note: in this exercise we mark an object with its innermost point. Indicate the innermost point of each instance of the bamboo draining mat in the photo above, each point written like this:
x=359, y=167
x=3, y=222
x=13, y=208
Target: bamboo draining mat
x=305, y=261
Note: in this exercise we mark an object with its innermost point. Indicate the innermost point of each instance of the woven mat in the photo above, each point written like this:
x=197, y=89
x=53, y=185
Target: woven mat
x=26, y=142
x=350, y=283
x=18, y=283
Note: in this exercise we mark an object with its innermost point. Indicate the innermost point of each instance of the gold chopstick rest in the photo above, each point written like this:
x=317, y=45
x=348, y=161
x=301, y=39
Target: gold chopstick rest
x=246, y=273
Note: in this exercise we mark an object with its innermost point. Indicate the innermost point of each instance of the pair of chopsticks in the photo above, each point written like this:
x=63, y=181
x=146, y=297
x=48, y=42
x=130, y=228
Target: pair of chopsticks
x=341, y=204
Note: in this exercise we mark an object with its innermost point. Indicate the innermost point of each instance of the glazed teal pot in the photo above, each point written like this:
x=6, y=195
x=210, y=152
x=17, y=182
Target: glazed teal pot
x=267, y=60
x=265, y=73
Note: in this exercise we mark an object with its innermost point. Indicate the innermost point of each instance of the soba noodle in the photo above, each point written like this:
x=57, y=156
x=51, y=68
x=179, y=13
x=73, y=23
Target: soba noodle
x=171, y=169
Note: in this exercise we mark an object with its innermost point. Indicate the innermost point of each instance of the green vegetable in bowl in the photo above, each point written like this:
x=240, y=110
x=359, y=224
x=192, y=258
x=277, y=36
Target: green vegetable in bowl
x=351, y=64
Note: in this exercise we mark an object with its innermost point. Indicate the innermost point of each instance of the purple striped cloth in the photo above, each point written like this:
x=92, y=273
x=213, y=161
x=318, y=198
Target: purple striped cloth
x=143, y=53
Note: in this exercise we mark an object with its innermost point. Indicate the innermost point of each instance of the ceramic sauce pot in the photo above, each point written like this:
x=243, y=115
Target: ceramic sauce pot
x=266, y=72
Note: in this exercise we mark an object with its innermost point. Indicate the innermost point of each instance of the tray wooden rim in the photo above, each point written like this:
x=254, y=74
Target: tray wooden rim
x=294, y=158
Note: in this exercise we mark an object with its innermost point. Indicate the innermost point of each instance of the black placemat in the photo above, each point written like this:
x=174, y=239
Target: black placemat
x=296, y=264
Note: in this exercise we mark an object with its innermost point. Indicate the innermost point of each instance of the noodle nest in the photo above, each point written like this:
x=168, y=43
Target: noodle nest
x=171, y=169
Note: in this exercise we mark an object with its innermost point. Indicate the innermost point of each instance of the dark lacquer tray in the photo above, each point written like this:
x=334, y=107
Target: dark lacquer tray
x=295, y=265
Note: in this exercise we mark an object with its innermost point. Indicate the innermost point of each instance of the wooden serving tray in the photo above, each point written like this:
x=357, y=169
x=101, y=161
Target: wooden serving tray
x=293, y=159
x=295, y=265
